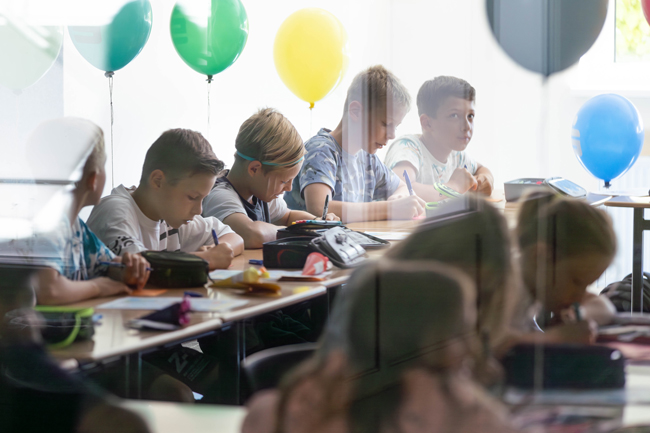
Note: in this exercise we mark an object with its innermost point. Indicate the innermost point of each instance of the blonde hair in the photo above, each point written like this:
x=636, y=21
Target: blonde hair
x=97, y=157
x=570, y=227
x=377, y=89
x=269, y=137
x=455, y=243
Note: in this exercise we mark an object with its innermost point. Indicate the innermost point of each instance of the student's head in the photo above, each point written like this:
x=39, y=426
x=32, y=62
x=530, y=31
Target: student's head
x=70, y=148
x=179, y=171
x=270, y=151
x=394, y=316
x=94, y=173
x=407, y=315
x=565, y=245
x=446, y=110
x=375, y=105
x=477, y=243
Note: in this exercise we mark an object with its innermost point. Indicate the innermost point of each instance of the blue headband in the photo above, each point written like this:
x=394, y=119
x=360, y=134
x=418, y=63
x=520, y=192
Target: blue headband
x=248, y=158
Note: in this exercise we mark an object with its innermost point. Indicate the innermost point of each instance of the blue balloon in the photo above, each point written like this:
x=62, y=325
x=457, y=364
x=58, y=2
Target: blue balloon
x=111, y=47
x=607, y=136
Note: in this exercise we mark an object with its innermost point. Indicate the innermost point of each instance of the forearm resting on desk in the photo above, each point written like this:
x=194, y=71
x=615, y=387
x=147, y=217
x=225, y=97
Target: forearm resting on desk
x=55, y=289
x=253, y=233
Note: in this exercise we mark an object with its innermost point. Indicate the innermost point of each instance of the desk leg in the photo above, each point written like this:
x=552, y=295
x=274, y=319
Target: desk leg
x=637, y=261
x=133, y=376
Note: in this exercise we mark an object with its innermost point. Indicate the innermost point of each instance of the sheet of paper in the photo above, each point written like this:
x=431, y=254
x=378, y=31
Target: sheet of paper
x=139, y=303
x=389, y=236
x=215, y=305
x=198, y=304
x=222, y=274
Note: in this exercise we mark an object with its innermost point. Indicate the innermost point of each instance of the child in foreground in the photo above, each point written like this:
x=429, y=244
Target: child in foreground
x=565, y=245
x=415, y=378
x=78, y=273
x=164, y=212
x=248, y=197
x=437, y=158
x=343, y=164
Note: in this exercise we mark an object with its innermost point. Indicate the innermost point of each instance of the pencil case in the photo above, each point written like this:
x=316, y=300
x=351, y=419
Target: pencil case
x=336, y=244
x=176, y=269
x=64, y=325
x=365, y=240
x=565, y=366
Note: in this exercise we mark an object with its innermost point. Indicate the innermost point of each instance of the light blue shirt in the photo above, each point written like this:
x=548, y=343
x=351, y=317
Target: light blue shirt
x=357, y=178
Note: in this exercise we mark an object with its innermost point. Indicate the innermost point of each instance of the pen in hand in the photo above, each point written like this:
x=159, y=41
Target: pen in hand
x=118, y=265
x=214, y=236
x=327, y=203
x=408, y=183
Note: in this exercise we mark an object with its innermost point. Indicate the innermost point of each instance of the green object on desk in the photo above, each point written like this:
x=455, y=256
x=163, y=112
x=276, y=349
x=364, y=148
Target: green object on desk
x=58, y=319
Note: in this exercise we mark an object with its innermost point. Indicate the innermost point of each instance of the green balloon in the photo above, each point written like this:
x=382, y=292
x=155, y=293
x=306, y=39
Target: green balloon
x=209, y=35
x=113, y=46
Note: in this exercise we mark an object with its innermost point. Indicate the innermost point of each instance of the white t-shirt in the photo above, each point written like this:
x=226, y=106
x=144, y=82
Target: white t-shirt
x=429, y=170
x=120, y=224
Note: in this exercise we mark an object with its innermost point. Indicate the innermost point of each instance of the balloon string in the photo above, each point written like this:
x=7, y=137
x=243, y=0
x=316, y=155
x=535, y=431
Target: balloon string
x=209, y=80
x=109, y=75
x=311, y=119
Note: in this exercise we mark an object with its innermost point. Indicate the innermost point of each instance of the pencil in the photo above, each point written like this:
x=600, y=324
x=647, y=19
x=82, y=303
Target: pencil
x=327, y=203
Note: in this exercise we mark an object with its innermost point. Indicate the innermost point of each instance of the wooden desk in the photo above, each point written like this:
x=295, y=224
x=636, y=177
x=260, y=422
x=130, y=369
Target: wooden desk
x=639, y=204
x=178, y=417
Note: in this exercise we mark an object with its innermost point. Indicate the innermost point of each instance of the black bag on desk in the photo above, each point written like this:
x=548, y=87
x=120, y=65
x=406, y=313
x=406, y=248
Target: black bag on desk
x=565, y=366
x=335, y=244
x=176, y=269
x=620, y=293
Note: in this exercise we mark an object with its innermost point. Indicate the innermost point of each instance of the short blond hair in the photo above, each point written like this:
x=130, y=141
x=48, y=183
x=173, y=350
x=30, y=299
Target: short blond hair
x=377, y=89
x=269, y=137
x=97, y=157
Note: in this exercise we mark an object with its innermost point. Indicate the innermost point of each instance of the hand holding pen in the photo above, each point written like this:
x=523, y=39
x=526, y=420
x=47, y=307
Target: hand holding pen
x=135, y=269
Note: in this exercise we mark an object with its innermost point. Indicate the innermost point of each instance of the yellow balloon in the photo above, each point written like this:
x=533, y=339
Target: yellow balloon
x=311, y=53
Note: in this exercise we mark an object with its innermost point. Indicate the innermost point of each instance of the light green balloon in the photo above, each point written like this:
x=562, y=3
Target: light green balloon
x=209, y=35
x=26, y=52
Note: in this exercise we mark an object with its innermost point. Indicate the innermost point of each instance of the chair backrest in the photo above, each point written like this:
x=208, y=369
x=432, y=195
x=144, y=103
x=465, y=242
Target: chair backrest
x=266, y=368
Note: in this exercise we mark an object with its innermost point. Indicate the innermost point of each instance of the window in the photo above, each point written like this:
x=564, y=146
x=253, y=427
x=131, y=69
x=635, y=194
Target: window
x=632, y=32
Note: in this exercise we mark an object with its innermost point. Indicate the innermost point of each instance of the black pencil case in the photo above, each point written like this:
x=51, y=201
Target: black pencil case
x=365, y=240
x=176, y=269
x=565, y=366
x=292, y=252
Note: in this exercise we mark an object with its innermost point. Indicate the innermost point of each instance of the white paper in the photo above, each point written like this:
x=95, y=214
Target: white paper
x=222, y=274
x=389, y=236
x=139, y=303
x=159, y=303
x=215, y=305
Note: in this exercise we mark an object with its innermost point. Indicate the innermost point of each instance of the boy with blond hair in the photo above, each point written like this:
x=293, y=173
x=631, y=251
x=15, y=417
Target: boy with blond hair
x=78, y=272
x=436, y=161
x=343, y=164
x=164, y=211
x=248, y=197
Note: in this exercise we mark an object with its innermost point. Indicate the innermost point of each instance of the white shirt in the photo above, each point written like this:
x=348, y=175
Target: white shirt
x=428, y=169
x=120, y=224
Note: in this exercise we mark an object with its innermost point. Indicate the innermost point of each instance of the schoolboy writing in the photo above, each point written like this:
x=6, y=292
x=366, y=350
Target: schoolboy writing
x=77, y=273
x=248, y=197
x=164, y=211
x=437, y=159
x=343, y=163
